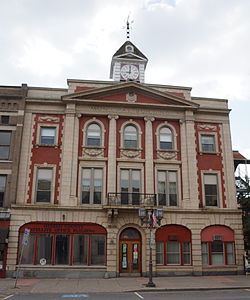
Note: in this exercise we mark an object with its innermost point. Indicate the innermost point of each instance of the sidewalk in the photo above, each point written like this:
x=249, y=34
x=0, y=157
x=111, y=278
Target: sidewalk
x=123, y=284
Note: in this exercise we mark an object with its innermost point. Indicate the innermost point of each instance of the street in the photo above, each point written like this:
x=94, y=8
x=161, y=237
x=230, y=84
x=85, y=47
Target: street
x=236, y=294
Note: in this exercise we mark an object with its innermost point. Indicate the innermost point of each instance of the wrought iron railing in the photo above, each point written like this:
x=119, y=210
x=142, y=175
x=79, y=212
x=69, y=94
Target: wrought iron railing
x=131, y=199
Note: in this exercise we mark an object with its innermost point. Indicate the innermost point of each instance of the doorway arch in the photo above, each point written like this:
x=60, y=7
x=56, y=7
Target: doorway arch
x=130, y=251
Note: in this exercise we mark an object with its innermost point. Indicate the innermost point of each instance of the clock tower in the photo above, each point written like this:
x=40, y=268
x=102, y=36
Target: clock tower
x=128, y=63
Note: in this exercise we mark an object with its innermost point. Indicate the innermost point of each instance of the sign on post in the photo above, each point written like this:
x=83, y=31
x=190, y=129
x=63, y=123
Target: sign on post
x=26, y=235
x=25, y=242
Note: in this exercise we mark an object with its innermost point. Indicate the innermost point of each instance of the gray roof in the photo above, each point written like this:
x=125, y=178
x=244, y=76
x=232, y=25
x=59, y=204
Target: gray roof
x=121, y=51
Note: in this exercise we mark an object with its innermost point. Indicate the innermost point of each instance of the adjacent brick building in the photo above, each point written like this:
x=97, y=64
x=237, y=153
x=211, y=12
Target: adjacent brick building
x=12, y=105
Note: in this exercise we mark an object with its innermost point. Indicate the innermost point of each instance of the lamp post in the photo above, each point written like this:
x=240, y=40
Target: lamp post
x=152, y=218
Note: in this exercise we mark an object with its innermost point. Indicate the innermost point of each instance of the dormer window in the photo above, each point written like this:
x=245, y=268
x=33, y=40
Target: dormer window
x=129, y=48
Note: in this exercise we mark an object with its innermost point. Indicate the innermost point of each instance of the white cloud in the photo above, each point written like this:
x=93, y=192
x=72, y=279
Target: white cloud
x=41, y=58
x=203, y=44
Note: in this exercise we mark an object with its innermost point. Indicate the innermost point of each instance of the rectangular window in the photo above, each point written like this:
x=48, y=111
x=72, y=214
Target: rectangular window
x=211, y=190
x=44, y=248
x=44, y=185
x=2, y=189
x=204, y=252
x=62, y=249
x=47, y=135
x=167, y=188
x=80, y=249
x=173, y=253
x=208, y=143
x=5, y=139
x=5, y=119
x=98, y=249
x=130, y=186
x=92, y=184
x=159, y=253
x=186, y=253
x=217, y=253
x=230, y=253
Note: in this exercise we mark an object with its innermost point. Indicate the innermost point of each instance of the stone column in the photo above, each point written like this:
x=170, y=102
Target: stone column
x=149, y=161
x=111, y=186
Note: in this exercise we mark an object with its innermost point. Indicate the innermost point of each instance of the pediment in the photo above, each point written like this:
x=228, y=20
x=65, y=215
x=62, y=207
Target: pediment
x=129, y=92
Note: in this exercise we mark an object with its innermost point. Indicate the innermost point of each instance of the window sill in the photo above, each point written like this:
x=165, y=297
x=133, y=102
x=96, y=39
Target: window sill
x=46, y=145
x=219, y=266
x=27, y=266
x=5, y=161
x=209, y=153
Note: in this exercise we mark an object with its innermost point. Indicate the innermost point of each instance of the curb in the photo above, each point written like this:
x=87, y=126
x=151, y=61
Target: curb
x=188, y=289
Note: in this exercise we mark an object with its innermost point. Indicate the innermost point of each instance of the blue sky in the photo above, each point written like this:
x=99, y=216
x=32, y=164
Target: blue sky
x=203, y=44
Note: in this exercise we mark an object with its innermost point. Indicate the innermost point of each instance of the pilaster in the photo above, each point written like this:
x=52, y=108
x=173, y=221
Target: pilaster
x=111, y=180
x=190, y=163
x=149, y=162
x=68, y=158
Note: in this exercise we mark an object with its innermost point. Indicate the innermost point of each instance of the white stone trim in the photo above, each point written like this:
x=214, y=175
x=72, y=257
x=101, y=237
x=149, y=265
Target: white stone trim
x=48, y=125
x=173, y=131
x=219, y=188
x=89, y=165
x=34, y=183
x=130, y=165
x=139, y=133
x=84, y=131
x=174, y=168
x=208, y=133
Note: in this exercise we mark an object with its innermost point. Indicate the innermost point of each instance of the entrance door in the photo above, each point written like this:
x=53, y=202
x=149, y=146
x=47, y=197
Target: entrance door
x=130, y=251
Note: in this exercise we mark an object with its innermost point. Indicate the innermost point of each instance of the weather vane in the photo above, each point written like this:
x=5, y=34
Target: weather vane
x=128, y=28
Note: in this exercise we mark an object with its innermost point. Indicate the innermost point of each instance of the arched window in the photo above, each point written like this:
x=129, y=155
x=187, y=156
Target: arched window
x=173, y=245
x=217, y=245
x=166, y=138
x=94, y=135
x=130, y=137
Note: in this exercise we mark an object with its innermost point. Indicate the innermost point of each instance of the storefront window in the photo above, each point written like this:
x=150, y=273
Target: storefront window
x=62, y=249
x=230, y=253
x=173, y=245
x=44, y=248
x=64, y=244
x=217, y=253
x=217, y=245
x=186, y=253
x=80, y=249
x=159, y=253
x=173, y=253
x=204, y=251
x=97, y=250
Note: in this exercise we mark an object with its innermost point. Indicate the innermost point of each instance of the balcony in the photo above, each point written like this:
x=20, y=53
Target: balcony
x=131, y=199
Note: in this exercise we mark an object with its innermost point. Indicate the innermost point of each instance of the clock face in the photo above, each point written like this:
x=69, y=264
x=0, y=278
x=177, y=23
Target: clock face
x=129, y=72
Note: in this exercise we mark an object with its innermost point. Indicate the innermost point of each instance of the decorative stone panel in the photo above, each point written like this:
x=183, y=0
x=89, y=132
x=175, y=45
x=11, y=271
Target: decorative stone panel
x=93, y=151
x=167, y=155
x=130, y=153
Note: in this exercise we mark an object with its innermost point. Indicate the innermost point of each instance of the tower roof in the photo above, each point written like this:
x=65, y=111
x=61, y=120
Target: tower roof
x=121, y=52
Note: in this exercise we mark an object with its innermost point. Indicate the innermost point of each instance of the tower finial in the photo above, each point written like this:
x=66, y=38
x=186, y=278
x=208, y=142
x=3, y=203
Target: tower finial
x=128, y=29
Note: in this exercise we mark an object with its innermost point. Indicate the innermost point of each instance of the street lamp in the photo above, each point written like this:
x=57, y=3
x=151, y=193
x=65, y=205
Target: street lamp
x=152, y=218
